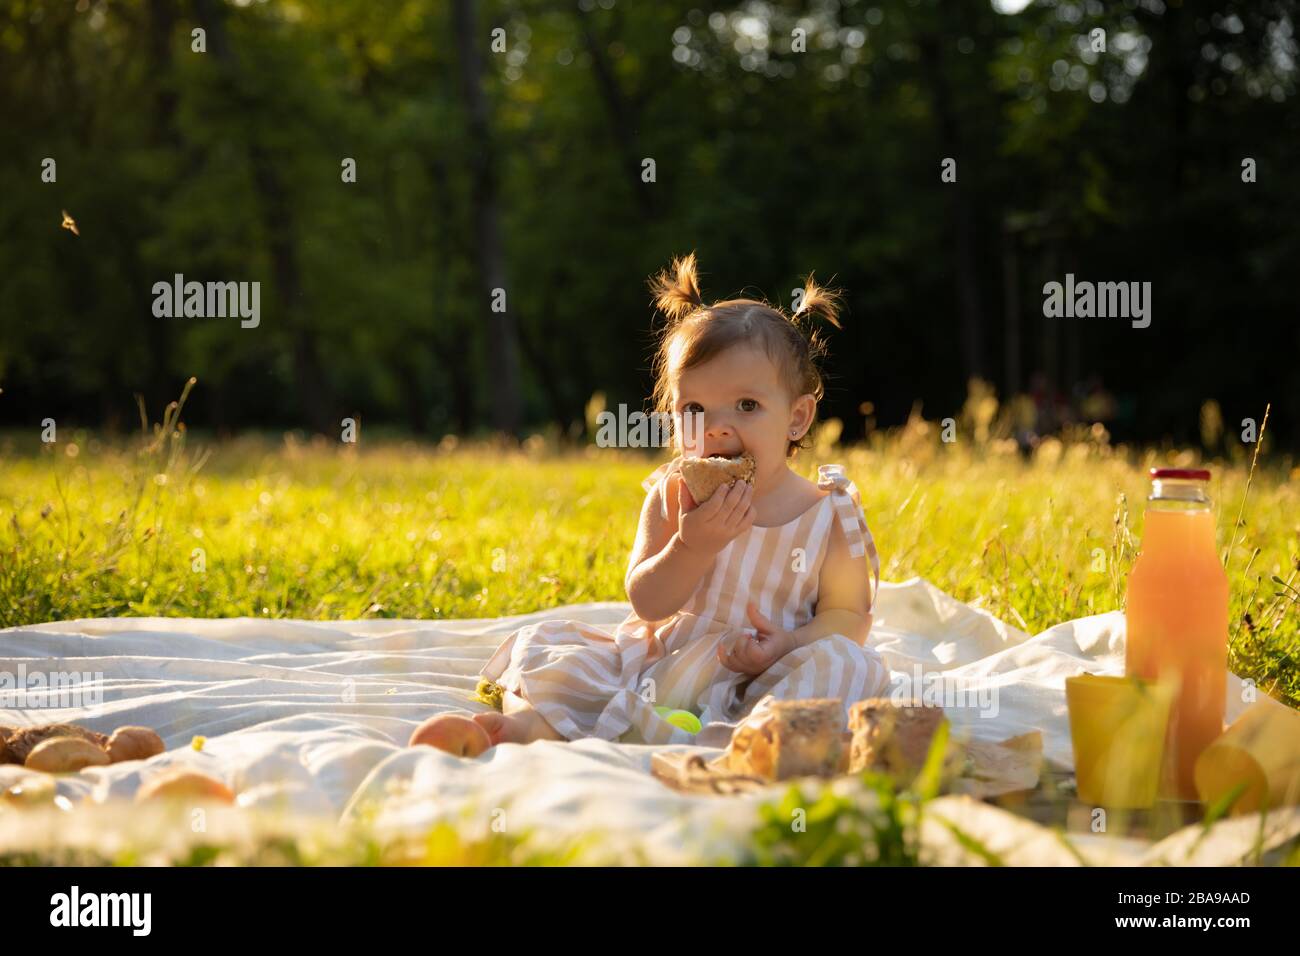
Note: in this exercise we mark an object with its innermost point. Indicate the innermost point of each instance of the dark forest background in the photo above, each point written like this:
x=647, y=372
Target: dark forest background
x=522, y=170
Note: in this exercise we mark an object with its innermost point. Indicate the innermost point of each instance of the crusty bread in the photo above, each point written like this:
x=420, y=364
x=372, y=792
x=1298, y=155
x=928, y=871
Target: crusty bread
x=792, y=738
x=894, y=737
x=704, y=476
x=22, y=742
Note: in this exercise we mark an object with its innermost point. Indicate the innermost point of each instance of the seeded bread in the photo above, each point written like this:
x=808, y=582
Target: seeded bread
x=792, y=738
x=704, y=476
x=893, y=737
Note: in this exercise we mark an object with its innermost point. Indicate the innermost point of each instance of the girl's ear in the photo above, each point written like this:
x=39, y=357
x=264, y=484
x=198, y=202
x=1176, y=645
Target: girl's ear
x=802, y=412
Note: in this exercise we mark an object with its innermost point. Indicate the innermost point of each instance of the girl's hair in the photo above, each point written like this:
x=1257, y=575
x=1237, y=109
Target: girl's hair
x=696, y=332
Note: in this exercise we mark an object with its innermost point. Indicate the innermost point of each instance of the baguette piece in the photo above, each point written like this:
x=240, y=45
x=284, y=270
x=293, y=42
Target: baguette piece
x=791, y=738
x=704, y=476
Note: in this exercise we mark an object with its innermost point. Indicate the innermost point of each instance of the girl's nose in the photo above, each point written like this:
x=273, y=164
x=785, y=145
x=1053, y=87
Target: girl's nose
x=716, y=427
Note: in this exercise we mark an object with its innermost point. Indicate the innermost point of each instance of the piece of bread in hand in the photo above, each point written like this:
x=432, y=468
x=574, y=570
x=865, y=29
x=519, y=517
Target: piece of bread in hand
x=704, y=476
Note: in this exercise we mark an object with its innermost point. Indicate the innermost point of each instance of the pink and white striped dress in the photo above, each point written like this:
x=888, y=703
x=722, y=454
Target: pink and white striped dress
x=589, y=683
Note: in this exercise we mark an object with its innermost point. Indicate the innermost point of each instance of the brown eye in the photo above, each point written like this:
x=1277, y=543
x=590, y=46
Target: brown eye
x=749, y=401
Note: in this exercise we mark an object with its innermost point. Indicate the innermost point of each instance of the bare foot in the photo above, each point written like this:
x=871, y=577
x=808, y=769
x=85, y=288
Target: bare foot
x=522, y=727
x=502, y=728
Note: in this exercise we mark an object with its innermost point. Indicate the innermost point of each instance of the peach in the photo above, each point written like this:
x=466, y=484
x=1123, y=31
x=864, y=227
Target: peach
x=453, y=733
x=179, y=783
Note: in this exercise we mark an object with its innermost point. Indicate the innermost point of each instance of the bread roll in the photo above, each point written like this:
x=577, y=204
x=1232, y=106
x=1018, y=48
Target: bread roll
x=893, y=736
x=134, y=743
x=65, y=755
x=22, y=742
x=791, y=738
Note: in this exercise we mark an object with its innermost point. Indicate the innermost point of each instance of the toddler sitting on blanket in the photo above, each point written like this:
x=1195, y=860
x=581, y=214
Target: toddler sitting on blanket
x=762, y=592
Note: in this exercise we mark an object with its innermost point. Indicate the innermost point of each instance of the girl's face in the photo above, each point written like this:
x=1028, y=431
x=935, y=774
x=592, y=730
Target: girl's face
x=734, y=403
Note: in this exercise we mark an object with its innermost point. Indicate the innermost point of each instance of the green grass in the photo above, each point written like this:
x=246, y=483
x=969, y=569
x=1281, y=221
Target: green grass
x=174, y=524
x=271, y=840
x=273, y=527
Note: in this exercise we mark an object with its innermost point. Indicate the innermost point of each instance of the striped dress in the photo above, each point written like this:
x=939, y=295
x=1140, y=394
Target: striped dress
x=588, y=683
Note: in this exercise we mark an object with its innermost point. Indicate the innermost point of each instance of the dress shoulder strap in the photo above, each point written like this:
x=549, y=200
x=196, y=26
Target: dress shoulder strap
x=848, y=511
x=661, y=472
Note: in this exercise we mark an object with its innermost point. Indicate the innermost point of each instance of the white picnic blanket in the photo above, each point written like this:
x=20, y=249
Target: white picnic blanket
x=314, y=715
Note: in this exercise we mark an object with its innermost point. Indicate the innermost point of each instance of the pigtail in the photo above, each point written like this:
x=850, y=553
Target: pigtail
x=677, y=289
x=819, y=301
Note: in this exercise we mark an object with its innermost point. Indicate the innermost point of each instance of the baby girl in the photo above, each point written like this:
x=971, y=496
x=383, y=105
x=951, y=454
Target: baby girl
x=762, y=592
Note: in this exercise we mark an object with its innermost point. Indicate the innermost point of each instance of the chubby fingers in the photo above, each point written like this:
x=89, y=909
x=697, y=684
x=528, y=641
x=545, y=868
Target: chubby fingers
x=725, y=658
x=727, y=498
x=741, y=653
x=747, y=505
x=685, y=501
x=728, y=654
x=756, y=618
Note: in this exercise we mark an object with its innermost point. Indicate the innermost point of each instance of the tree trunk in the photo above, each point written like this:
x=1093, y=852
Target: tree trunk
x=503, y=348
x=161, y=336
x=962, y=216
x=1011, y=304
x=412, y=395
x=534, y=349
x=622, y=115
x=315, y=398
x=443, y=332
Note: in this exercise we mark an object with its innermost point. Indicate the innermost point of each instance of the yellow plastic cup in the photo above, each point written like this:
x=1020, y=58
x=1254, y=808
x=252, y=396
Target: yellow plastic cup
x=1262, y=750
x=1117, y=728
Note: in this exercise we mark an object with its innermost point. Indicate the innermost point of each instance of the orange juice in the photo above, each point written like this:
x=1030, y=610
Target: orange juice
x=1177, y=620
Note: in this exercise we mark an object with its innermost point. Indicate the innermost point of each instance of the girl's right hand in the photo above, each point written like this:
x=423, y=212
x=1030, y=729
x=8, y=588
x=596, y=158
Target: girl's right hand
x=709, y=527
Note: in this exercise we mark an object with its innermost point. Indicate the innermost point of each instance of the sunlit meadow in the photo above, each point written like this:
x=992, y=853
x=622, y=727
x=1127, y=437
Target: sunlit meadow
x=171, y=524
x=174, y=524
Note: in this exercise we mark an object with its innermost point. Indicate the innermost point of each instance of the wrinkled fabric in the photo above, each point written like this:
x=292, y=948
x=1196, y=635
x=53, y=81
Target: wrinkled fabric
x=588, y=682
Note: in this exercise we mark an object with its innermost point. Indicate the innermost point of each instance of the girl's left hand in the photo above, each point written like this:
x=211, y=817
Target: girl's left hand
x=754, y=653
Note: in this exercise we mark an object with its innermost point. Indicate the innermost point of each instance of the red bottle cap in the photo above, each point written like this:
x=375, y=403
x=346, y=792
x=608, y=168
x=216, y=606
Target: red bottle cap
x=1190, y=474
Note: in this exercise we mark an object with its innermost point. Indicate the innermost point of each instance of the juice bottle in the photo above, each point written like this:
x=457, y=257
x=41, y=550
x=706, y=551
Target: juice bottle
x=1177, y=619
